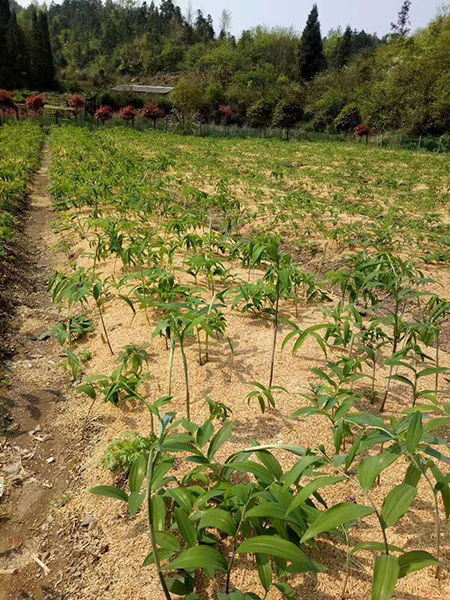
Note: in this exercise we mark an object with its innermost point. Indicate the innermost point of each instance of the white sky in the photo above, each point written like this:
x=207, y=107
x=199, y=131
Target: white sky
x=374, y=17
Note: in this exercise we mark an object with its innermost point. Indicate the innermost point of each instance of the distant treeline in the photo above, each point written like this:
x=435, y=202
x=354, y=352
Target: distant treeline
x=398, y=82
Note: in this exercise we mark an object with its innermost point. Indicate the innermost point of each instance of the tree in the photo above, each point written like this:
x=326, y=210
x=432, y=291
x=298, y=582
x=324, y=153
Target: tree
x=260, y=114
x=312, y=58
x=17, y=54
x=286, y=115
x=347, y=119
x=402, y=27
x=344, y=49
x=5, y=15
x=204, y=27
x=43, y=69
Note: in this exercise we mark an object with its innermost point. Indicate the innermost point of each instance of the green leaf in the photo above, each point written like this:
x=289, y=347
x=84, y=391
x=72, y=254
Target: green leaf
x=219, y=519
x=409, y=562
x=135, y=500
x=199, y=557
x=442, y=487
x=247, y=466
x=299, y=468
x=368, y=470
x=337, y=515
x=87, y=389
x=163, y=554
x=376, y=546
x=167, y=541
x=222, y=436
x=128, y=301
x=181, y=497
x=397, y=503
x=137, y=474
x=264, y=571
x=158, y=512
x=412, y=475
x=431, y=371
x=436, y=423
x=401, y=378
x=309, y=489
x=270, y=462
x=279, y=548
x=414, y=433
x=286, y=591
x=385, y=577
x=186, y=527
x=109, y=491
x=204, y=433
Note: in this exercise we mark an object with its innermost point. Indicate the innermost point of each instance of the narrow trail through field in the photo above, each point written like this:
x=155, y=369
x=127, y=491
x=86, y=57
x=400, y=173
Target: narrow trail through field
x=31, y=449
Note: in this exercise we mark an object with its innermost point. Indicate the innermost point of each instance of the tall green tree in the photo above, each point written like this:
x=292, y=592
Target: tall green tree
x=312, y=57
x=344, y=49
x=41, y=56
x=5, y=15
x=17, y=52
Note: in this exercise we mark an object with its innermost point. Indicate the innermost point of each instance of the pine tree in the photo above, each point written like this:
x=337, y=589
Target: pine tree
x=17, y=52
x=344, y=50
x=204, y=27
x=402, y=27
x=42, y=66
x=5, y=15
x=312, y=58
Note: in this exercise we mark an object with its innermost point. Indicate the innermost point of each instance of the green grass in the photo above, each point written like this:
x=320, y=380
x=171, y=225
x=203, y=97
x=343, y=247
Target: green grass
x=20, y=145
x=317, y=195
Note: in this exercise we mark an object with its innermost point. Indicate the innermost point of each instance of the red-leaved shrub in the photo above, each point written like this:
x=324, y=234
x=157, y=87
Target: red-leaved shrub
x=362, y=131
x=104, y=113
x=6, y=100
x=76, y=102
x=153, y=112
x=226, y=114
x=128, y=113
x=35, y=103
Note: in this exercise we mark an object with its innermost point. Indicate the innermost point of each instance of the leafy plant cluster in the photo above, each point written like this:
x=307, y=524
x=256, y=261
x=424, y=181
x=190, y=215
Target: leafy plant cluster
x=184, y=258
x=19, y=158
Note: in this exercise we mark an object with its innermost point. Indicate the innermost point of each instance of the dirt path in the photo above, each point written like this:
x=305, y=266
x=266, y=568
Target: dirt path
x=32, y=468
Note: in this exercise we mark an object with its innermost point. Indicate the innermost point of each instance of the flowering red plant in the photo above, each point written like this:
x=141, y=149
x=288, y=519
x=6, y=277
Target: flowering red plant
x=35, y=103
x=76, y=102
x=151, y=111
x=104, y=113
x=362, y=131
x=225, y=112
x=6, y=100
x=128, y=113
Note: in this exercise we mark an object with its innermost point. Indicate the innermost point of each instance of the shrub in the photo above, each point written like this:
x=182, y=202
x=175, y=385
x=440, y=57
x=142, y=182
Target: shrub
x=35, y=103
x=6, y=100
x=362, y=131
x=226, y=115
x=153, y=112
x=287, y=115
x=260, y=114
x=121, y=454
x=76, y=102
x=347, y=119
x=104, y=113
x=128, y=113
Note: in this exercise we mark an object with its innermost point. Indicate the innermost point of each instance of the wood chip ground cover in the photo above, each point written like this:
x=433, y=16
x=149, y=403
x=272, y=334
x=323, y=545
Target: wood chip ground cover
x=106, y=177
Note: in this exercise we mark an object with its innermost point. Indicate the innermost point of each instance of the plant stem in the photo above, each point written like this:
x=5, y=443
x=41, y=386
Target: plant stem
x=150, y=465
x=186, y=379
x=171, y=355
x=437, y=364
x=275, y=332
x=104, y=329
